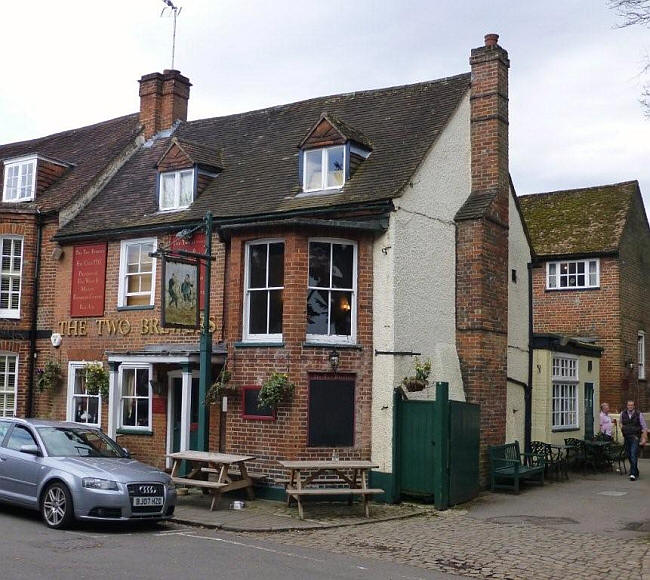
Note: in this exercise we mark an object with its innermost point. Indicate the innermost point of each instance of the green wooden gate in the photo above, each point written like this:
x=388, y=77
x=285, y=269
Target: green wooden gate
x=436, y=448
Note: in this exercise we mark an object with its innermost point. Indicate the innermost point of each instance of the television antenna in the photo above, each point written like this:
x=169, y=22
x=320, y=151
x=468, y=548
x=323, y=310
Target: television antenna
x=173, y=11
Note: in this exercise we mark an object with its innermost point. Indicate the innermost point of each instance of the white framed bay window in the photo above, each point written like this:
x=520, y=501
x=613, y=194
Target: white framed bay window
x=137, y=273
x=565, y=393
x=82, y=407
x=135, y=397
x=332, y=291
x=11, y=270
x=573, y=274
x=264, y=287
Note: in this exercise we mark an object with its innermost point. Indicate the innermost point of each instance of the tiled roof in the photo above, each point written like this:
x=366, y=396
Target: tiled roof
x=578, y=221
x=79, y=148
x=260, y=157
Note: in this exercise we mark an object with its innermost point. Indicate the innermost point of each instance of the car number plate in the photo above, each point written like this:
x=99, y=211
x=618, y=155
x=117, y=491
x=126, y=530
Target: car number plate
x=147, y=501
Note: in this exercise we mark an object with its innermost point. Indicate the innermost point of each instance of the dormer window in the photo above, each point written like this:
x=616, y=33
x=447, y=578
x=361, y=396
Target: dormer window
x=176, y=189
x=19, y=179
x=324, y=168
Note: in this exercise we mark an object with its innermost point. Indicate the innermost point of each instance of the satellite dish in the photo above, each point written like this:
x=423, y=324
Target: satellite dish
x=56, y=339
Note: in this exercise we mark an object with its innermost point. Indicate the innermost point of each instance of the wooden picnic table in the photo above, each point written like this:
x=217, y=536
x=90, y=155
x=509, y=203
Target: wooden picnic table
x=306, y=474
x=205, y=463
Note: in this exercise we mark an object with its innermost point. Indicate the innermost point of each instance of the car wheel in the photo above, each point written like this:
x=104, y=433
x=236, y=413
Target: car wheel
x=56, y=506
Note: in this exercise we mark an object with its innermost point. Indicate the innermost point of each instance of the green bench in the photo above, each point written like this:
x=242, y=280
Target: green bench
x=508, y=464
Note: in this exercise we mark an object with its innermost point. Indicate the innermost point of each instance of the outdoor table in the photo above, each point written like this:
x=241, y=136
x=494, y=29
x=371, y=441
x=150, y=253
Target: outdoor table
x=563, y=456
x=598, y=449
x=203, y=463
x=357, y=481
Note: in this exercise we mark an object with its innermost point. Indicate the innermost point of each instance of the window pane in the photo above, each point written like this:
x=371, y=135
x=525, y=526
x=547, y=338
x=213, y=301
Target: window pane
x=319, y=264
x=128, y=382
x=313, y=169
x=187, y=188
x=133, y=254
x=341, y=318
x=335, y=167
x=145, y=283
x=342, y=265
x=143, y=412
x=142, y=386
x=317, y=307
x=167, y=191
x=128, y=412
x=133, y=284
x=79, y=382
x=257, y=313
x=257, y=266
x=275, y=312
x=276, y=265
x=142, y=300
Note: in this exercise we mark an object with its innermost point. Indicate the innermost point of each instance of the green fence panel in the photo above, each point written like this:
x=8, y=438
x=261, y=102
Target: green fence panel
x=416, y=448
x=464, y=436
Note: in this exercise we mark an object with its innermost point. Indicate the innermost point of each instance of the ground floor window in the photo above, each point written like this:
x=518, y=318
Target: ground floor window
x=135, y=397
x=250, y=405
x=331, y=412
x=82, y=407
x=8, y=384
x=565, y=406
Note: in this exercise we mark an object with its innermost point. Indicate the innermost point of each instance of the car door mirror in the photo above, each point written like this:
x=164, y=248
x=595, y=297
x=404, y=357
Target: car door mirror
x=30, y=449
x=126, y=452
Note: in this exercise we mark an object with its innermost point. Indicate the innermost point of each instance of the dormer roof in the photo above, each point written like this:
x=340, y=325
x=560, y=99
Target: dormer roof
x=191, y=154
x=330, y=130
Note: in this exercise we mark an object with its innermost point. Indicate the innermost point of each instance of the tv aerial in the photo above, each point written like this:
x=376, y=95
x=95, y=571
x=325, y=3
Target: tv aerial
x=172, y=10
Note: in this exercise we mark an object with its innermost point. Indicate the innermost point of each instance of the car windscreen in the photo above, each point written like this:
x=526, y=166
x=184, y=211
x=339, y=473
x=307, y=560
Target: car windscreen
x=77, y=442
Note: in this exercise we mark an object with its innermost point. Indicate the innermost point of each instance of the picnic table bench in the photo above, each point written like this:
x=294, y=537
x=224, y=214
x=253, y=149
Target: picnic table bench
x=506, y=464
x=221, y=464
x=357, y=482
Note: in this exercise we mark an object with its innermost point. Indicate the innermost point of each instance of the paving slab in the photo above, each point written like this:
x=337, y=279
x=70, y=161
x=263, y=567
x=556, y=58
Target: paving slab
x=273, y=516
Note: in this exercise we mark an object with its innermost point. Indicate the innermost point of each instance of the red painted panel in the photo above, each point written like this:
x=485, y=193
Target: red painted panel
x=88, y=280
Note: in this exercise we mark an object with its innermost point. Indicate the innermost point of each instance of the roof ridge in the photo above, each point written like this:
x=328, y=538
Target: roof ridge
x=581, y=189
x=393, y=88
x=67, y=131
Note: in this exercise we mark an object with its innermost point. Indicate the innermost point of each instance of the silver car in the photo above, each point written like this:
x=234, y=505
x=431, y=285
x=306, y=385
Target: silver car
x=68, y=471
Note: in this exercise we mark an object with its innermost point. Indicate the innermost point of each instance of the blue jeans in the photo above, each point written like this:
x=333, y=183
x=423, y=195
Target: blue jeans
x=632, y=448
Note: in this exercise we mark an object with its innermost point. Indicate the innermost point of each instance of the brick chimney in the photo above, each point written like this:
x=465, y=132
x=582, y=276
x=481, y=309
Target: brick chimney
x=163, y=100
x=482, y=247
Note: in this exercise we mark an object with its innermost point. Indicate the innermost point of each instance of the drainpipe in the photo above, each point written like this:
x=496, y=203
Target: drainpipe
x=528, y=392
x=29, y=403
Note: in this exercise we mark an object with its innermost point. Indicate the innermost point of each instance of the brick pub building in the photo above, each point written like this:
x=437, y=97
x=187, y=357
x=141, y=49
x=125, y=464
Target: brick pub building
x=366, y=227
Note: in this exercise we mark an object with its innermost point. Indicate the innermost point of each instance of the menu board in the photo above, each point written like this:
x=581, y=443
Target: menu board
x=88, y=280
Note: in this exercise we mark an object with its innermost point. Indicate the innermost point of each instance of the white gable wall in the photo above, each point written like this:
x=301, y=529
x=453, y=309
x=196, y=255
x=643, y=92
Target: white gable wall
x=414, y=264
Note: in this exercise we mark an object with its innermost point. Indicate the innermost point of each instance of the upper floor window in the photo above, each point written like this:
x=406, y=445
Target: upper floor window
x=323, y=168
x=264, y=283
x=176, y=189
x=11, y=267
x=331, y=294
x=573, y=274
x=640, y=343
x=137, y=273
x=19, y=179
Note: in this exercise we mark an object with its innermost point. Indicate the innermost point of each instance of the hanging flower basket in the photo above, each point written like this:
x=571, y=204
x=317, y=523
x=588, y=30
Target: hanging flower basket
x=220, y=388
x=275, y=390
x=96, y=380
x=50, y=377
x=420, y=380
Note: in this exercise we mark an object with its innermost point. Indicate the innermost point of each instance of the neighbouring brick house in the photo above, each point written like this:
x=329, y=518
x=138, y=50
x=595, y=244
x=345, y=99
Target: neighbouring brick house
x=591, y=278
x=367, y=226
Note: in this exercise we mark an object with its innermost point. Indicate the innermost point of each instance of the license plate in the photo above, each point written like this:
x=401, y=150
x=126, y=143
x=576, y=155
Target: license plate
x=147, y=501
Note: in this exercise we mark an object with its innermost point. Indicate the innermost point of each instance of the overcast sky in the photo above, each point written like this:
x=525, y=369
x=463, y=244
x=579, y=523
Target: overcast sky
x=575, y=117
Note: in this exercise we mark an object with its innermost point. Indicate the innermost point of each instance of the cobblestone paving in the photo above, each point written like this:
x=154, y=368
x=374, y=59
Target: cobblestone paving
x=455, y=543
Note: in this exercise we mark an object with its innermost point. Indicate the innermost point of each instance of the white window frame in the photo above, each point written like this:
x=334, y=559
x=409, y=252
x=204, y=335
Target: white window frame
x=248, y=336
x=177, y=189
x=135, y=367
x=557, y=264
x=73, y=367
x=640, y=345
x=567, y=378
x=337, y=338
x=13, y=312
x=122, y=286
x=324, y=164
x=22, y=163
x=4, y=378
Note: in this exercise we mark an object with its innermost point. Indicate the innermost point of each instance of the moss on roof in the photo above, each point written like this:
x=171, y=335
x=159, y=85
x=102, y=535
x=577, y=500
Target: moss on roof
x=578, y=221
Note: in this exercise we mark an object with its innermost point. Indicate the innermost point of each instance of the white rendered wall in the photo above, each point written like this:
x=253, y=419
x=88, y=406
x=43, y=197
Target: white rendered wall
x=414, y=300
x=518, y=331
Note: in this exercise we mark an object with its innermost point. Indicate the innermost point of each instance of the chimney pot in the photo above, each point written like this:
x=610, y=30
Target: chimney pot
x=491, y=39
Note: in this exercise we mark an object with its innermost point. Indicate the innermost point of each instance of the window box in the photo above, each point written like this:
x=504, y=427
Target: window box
x=573, y=275
x=19, y=179
x=137, y=273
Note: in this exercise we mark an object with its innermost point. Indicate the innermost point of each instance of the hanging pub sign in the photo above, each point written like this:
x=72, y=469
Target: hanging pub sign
x=180, y=304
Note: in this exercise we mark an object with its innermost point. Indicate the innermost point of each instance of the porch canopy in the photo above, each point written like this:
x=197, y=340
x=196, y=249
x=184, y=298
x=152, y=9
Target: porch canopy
x=186, y=355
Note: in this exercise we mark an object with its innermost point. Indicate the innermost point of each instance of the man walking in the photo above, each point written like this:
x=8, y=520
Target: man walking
x=635, y=432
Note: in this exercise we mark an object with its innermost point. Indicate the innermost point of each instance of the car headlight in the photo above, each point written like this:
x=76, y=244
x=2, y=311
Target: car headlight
x=96, y=483
x=170, y=485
